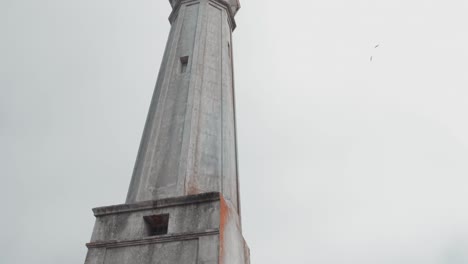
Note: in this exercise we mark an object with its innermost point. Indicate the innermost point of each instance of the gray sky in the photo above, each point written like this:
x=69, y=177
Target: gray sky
x=342, y=160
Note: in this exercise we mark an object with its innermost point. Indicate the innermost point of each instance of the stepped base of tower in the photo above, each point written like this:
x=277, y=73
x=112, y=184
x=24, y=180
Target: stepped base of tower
x=197, y=229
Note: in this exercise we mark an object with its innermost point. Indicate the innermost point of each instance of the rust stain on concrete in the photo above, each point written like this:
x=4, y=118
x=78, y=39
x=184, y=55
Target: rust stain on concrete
x=224, y=216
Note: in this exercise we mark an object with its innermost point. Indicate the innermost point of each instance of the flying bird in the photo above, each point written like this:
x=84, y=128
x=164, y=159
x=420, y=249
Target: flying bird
x=376, y=46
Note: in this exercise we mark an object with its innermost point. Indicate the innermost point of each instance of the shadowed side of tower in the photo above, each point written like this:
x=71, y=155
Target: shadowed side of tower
x=183, y=201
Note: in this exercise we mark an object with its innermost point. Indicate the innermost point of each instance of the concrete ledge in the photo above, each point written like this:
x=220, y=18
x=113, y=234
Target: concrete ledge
x=152, y=240
x=169, y=202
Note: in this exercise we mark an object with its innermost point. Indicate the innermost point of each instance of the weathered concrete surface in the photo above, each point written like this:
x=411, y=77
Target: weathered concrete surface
x=187, y=214
x=183, y=204
x=189, y=141
x=202, y=229
x=233, y=248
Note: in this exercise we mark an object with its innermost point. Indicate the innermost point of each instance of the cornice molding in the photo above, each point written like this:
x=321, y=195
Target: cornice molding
x=148, y=205
x=152, y=240
x=221, y=3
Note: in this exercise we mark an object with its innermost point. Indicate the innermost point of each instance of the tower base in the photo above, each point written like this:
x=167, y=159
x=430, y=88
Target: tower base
x=197, y=229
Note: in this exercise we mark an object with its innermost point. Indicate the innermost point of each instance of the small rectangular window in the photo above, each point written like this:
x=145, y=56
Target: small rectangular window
x=157, y=224
x=183, y=64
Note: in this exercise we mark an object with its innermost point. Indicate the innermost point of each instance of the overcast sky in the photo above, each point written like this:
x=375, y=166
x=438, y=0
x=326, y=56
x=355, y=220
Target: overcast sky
x=343, y=160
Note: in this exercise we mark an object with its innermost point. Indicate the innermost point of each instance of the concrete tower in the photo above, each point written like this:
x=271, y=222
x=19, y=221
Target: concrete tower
x=183, y=203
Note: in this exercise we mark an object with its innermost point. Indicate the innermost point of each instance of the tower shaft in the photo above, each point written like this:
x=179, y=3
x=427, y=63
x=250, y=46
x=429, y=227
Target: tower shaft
x=189, y=141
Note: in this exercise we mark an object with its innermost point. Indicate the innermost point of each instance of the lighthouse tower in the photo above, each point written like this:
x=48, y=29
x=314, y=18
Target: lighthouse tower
x=183, y=203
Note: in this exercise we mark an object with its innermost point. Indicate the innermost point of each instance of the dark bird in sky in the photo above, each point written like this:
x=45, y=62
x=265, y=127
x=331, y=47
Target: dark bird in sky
x=376, y=46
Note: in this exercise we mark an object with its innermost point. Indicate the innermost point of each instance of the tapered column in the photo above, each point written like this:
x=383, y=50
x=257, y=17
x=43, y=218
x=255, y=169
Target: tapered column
x=189, y=141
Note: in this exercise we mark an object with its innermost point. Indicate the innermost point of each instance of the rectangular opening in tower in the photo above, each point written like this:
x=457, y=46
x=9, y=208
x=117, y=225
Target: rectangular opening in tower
x=157, y=224
x=183, y=64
